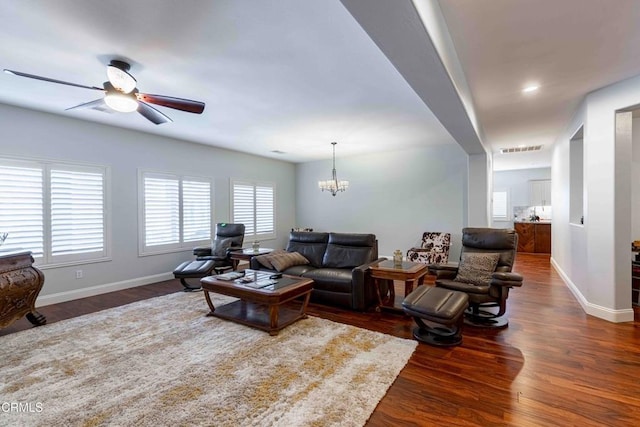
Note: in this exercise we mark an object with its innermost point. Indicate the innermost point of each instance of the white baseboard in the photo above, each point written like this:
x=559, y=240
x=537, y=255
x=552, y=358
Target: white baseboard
x=605, y=313
x=101, y=289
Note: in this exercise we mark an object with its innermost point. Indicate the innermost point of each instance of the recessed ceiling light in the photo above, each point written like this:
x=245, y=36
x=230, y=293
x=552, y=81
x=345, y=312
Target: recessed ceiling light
x=531, y=88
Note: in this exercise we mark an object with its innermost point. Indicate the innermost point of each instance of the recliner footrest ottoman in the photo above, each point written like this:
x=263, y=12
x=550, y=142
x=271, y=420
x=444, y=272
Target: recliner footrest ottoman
x=191, y=270
x=438, y=313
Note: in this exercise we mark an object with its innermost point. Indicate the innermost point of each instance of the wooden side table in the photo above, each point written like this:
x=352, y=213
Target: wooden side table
x=247, y=254
x=411, y=273
x=20, y=284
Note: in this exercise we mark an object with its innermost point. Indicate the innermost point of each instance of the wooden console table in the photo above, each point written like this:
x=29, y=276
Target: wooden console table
x=20, y=284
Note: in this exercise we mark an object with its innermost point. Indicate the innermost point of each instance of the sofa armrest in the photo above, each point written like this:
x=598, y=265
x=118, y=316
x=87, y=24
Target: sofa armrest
x=362, y=287
x=254, y=264
x=506, y=279
x=444, y=271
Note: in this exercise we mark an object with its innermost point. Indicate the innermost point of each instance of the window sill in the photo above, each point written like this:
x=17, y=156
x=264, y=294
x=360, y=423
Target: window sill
x=71, y=263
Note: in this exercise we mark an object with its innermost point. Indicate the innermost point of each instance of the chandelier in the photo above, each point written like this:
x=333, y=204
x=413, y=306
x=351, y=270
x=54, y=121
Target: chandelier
x=333, y=185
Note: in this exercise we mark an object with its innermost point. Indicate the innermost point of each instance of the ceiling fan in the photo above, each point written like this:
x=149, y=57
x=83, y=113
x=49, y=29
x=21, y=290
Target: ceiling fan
x=121, y=94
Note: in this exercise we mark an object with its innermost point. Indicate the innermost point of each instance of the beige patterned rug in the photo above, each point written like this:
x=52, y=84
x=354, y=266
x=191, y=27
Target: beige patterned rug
x=163, y=362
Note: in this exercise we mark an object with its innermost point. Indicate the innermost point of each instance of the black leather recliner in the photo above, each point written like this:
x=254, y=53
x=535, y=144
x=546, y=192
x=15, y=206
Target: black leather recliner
x=494, y=292
x=207, y=259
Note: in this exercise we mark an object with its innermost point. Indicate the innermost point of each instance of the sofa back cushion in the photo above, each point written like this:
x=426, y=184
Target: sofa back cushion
x=348, y=250
x=312, y=245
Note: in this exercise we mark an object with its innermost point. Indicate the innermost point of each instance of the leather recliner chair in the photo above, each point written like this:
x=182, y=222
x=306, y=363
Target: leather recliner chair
x=492, y=292
x=210, y=259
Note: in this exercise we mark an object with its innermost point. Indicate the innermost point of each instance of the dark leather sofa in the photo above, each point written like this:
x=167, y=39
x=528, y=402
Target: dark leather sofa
x=338, y=265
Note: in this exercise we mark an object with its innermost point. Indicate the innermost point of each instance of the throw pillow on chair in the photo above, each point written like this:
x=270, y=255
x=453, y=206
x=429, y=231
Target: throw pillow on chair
x=477, y=268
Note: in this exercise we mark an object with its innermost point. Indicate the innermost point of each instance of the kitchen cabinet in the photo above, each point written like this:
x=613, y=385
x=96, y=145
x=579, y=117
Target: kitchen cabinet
x=540, y=192
x=533, y=237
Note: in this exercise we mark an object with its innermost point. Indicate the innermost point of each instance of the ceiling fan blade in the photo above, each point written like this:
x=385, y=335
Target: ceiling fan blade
x=46, y=79
x=90, y=104
x=187, y=105
x=152, y=114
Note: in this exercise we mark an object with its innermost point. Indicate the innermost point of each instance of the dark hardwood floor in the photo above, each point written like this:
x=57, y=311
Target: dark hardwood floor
x=553, y=365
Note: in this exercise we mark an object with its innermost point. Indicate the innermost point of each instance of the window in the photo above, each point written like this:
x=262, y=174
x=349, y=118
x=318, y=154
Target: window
x=176, y=212
x=57, y=211
x=500, y=205
x=253, y=206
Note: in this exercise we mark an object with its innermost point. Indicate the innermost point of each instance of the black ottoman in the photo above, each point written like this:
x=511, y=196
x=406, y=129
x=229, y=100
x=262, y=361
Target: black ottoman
x=195, y=269
x=438, y=313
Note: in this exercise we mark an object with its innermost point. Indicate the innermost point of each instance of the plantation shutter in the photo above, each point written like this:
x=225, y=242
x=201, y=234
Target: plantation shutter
x=162, y=211
x=264, y=210
x=77, y=212
x=253, y=206
x=22, y=208
x=500, y=205
x=243, y=207
x=196, y=202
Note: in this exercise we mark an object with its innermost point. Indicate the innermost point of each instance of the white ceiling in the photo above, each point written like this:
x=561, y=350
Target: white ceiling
x=568, y=47
x=294, y=75
x=284, y=75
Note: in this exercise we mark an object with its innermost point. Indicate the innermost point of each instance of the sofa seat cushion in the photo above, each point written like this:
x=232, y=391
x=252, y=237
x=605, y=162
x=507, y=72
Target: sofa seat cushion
x=331, y=279
x=298, y=270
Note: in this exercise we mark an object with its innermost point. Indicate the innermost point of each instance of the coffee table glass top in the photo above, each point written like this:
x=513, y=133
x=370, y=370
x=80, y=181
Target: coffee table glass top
x=251, y=251
x=405, y=266
x=257, y=280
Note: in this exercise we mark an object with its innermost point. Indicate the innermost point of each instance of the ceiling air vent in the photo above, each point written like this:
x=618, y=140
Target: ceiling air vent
x=520, y=149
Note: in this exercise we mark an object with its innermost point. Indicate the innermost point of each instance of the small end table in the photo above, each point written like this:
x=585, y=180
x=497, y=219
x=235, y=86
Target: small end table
x=246, y=255
x=408, y=272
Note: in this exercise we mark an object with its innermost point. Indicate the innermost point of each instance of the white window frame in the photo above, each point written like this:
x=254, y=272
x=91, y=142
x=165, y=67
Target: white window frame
x=47, y=259
x=181, y=244
x=249, y=235
x=507, y=215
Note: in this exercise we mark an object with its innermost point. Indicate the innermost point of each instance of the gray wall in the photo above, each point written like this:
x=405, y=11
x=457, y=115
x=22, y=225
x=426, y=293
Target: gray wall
x=594, y=258
x=635, y=181
x=395, y=195
x=41, y=135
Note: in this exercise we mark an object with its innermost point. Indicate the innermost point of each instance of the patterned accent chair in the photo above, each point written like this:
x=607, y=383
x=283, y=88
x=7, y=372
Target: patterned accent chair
x=434, y=249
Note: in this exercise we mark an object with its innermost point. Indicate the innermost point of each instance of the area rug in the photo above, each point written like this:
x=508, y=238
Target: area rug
x=162, y=361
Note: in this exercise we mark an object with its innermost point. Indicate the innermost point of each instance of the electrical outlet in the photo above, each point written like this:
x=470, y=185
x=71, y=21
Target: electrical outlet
x=78, y=274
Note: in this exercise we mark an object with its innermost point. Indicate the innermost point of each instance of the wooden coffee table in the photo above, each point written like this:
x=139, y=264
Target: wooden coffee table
x=263, y=307
x=410, y=273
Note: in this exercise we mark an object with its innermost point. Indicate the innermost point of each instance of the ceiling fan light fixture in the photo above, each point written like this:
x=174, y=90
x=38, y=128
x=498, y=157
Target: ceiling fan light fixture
x=124, y=103
x=531, y=88
x=120, y=79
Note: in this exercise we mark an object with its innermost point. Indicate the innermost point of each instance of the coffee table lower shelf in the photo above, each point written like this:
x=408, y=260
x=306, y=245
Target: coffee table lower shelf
x=260, y=315
x=269, y=308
